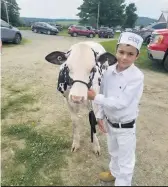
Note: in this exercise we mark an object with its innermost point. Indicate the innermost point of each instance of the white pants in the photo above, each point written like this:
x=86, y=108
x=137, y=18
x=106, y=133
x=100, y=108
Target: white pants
x=121, y=146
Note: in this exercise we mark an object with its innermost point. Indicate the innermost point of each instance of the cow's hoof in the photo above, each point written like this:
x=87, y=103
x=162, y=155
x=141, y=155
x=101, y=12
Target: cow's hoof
x=74, y=148
x=96, y=150
x=97, y=153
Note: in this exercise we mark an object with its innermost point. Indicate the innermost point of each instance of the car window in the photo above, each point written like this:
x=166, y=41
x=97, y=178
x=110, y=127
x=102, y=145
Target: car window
x=80, y=28
x=156, y=26
x=39, y=24
x=103, y=29
x=84, y=28
x=160, y=26
x=4, y=24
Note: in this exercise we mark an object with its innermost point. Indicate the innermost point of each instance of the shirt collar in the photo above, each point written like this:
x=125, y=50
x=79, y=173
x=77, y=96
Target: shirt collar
x=114, y=70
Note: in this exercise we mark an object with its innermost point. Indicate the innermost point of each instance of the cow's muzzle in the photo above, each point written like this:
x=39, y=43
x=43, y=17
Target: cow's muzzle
x=77, y=99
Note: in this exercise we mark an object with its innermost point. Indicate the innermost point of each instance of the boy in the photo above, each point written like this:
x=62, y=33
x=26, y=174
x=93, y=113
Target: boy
x=120, y=93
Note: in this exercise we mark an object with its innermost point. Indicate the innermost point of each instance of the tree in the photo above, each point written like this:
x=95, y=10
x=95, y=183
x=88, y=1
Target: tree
x=130, y=15
x=111, y=12
x=13, y=12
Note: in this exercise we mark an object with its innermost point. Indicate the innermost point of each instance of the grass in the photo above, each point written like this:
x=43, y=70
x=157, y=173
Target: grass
x=66, y=23
x=142, y=62
x=39, y=160
x=17, y=101
x=38, y=163
x=17, y=104
x=24, y=28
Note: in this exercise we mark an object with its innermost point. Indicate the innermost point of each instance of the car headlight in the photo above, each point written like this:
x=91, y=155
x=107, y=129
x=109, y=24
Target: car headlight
x=158, y=39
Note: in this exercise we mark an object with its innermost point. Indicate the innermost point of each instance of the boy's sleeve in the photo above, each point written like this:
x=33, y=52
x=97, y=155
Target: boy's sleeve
x=134, y=88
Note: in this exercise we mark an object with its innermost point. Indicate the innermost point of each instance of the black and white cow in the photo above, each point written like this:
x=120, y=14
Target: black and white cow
x=81, y=68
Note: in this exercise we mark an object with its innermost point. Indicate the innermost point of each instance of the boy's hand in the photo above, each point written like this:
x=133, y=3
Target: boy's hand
x=91, y=94
x=101, y=126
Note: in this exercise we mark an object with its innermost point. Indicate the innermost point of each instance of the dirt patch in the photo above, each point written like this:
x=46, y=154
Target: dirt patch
x=25, y=67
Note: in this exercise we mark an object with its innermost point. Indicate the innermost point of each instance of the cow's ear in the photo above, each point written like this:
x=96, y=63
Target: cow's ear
x=56, y=57
x=107, y=57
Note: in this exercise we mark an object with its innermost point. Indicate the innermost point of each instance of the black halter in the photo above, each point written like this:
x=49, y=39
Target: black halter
x=81, y=82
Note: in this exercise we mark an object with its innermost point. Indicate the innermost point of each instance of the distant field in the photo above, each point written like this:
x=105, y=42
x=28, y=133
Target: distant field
x=67, y=22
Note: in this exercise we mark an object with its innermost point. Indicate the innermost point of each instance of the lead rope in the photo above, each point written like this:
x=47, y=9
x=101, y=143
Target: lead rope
x=92, y=120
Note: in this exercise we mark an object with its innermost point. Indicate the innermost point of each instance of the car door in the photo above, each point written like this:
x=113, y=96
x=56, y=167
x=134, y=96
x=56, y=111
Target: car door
x=79, y=30
x=45, y=28
x=7, y=34
x=84, y=31
x=41, y=27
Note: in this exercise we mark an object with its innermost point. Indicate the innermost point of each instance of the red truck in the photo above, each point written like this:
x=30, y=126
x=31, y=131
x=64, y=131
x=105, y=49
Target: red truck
x=158, y=47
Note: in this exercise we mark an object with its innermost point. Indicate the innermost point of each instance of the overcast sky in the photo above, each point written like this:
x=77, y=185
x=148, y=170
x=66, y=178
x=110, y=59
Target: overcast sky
x=68, y=8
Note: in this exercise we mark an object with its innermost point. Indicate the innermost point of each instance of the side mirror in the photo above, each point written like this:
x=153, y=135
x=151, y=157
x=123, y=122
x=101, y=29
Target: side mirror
x=10, y=26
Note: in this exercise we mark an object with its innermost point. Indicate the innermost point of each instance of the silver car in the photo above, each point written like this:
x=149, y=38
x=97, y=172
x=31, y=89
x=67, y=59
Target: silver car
x=146, y=32
x=10, y=33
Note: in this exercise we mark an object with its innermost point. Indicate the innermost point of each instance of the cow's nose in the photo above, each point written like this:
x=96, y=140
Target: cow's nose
x=77, y=99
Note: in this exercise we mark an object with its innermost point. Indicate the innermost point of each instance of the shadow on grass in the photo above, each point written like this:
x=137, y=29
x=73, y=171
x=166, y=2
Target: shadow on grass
x=17, y=101
x=16, y=105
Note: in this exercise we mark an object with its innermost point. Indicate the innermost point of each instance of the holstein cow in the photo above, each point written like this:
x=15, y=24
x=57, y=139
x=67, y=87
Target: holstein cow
x=82, y=67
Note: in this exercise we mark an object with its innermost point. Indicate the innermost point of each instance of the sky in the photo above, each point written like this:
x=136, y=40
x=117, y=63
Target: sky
x=68, y=8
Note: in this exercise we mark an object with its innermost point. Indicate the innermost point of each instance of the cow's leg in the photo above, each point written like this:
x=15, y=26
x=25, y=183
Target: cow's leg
x=95, y=145
x=76, y=132
x=75, y=118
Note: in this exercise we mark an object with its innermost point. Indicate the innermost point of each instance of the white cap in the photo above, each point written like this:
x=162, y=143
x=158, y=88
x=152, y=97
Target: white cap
x=131, y=39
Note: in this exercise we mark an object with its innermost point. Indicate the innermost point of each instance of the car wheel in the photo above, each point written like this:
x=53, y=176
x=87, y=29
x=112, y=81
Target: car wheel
x=35, y=30
x=91, y=35
x=147, y=41
x=17, y=39
x=75, y=34
x=166, y=63
x=48, y=32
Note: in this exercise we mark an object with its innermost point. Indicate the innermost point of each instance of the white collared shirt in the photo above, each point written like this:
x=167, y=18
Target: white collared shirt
x=120, y=94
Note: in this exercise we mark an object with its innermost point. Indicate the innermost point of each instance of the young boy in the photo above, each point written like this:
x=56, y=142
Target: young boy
x=120, y=94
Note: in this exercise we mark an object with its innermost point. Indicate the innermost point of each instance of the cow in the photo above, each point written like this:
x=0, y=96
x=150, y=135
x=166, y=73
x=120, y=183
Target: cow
x=81, y=68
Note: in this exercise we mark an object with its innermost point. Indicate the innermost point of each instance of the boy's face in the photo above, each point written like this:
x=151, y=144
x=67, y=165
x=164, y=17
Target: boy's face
x=126, y=55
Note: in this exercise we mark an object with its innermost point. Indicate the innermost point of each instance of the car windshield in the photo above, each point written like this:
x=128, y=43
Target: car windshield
x=4, y=24
x=150, y=26
x=48, y=25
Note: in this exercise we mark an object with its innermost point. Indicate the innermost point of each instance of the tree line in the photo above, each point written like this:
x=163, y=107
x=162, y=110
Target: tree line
x=91, y=12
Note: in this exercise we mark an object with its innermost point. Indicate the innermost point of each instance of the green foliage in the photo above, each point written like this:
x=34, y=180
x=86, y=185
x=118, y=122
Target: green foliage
x=131, y=16
x=13, y=12
x=111, y=12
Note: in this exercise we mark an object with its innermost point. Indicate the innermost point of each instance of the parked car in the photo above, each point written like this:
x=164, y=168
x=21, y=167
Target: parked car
x=58, y=26
x=10, y=33
x=147, y=31
x=80, y=31
x=128, y=30
x=42, y=27
x=158, y=47
x=93, y=29
x=105, y=32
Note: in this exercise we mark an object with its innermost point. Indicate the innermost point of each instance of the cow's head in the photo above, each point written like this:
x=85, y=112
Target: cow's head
x=77, y=65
